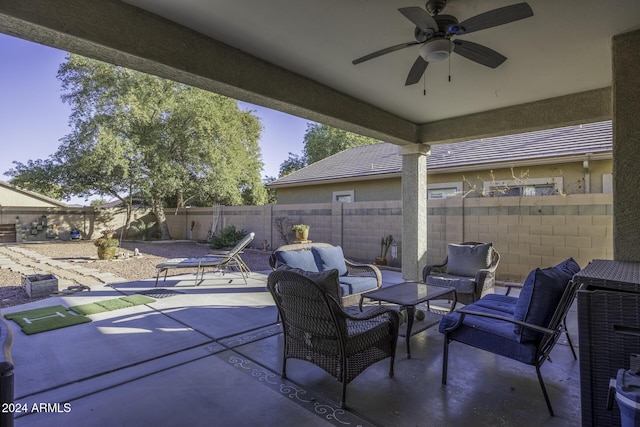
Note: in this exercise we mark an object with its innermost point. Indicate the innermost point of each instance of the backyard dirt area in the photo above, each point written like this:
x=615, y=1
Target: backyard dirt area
x=132, y=268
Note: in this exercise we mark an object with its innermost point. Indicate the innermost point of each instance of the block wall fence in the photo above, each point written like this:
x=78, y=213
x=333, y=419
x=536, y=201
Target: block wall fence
x=528, y=232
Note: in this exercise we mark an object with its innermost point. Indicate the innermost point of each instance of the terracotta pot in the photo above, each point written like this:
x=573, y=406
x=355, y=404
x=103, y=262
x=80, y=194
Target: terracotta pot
x=107, y=253
x=302, y=235
x=381, y=261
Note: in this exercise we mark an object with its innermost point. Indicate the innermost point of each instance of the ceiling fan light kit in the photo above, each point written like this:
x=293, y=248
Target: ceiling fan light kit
x=436, y=32
x=436, y=50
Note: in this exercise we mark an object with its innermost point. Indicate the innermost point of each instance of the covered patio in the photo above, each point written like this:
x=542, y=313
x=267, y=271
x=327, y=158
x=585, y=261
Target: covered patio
x=212, y=355
x=572, y=62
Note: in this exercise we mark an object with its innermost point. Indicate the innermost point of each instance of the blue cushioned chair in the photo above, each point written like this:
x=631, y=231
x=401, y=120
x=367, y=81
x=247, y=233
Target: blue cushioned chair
x=525, y=328
x=319, y=257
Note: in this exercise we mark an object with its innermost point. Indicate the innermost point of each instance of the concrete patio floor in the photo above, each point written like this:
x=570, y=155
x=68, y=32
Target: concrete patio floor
x=212, y=355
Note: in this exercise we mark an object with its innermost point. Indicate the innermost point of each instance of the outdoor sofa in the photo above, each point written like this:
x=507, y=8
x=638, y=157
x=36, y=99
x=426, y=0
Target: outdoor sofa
x=354, y=278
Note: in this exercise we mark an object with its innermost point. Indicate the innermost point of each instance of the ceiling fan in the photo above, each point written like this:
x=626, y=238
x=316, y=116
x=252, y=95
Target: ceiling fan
x=435, y=32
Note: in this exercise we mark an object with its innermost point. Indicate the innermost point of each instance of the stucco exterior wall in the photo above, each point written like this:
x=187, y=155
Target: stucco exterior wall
x=572, y=174
x=364, y=191
x=89, y=221
x=11, y=197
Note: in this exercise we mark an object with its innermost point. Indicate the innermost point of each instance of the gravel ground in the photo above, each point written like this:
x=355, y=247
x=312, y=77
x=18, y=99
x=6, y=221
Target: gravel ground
x=12, y=292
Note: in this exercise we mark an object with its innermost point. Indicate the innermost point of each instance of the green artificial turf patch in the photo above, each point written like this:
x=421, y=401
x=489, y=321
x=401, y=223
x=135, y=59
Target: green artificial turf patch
x=46, y=319
x=112, y=304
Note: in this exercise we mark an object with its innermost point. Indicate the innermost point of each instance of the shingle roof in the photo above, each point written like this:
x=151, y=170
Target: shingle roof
x=382, y=159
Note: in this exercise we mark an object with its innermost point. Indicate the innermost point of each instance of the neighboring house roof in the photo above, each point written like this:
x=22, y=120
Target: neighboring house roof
x=32, y=195
x=381, y=160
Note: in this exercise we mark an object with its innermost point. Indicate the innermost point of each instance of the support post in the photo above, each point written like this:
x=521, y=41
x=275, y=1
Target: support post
x=626, y=147
x=414, y=209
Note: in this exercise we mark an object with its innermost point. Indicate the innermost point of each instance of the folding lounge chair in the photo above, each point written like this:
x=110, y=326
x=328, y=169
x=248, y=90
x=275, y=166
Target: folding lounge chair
x=220, y=262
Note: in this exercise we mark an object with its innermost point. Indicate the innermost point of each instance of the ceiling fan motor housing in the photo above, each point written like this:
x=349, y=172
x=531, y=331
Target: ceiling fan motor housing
x=434, y=7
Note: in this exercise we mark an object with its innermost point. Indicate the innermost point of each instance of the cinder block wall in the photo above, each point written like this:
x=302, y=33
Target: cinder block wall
x=528, y=232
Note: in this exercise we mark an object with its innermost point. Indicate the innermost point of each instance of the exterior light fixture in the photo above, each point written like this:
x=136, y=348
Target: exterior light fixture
x=436, y=50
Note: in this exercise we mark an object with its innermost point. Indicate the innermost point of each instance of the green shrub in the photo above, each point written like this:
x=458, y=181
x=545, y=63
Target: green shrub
x=227, y=237
x=144, y=230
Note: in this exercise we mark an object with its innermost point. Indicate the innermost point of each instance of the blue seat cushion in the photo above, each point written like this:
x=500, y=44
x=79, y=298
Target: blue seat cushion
x=496, y=336
x=329, y=258
x=355, y=284
x=466, y=260
x=488, y=334
x=538, y=300
x=503, y=303
x=462, y=285
x=303, y=260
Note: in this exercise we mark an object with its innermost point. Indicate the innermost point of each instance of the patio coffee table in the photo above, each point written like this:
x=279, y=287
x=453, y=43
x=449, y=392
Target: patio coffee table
x=408, y=295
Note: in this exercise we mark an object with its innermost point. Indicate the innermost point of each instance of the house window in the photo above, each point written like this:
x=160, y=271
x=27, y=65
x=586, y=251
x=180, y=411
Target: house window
x=528, y=187
x=607, y=183
x=444, y=190
x=343, y=196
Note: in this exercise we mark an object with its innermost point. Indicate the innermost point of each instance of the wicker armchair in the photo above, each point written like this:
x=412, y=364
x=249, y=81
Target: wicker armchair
x=318, y=330
x=470, y=279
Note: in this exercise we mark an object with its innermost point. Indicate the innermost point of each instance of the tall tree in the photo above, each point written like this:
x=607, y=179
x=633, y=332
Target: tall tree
x=139, y=135
x=321, y=141
x=292, y=164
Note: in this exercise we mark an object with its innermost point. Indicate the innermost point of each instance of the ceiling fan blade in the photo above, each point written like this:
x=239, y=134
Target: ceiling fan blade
x=493, y=18
x=383, y=52
x=420, y=18
x=478, y=53
x=417, y=70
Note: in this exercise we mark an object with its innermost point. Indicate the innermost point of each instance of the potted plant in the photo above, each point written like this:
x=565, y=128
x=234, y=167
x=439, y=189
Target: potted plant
x=107, y=245
x=385, y=244
x=302, y=231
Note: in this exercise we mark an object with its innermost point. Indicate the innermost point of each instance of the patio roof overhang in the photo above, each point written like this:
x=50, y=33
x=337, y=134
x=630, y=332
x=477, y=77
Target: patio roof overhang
x=296, y=57
x=179, y=46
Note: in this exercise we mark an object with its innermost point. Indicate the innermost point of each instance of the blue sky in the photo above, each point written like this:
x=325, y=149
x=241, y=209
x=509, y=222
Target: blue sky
x=33, y=118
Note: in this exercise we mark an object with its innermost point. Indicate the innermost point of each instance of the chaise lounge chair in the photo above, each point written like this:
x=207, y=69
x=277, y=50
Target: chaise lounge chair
x=223, y=261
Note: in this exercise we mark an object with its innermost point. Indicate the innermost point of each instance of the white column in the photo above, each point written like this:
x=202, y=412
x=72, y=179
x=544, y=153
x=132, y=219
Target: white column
x=414, y=209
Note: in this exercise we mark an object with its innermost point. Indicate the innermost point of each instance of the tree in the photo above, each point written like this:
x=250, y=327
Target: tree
x=137, y=134
x=292, y=164
x=322, y=141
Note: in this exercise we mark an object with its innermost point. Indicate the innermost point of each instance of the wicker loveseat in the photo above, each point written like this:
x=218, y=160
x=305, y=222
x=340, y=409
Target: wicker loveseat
x=355, y=279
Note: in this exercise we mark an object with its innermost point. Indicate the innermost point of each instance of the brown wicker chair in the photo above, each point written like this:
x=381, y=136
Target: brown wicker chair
x=318, y=330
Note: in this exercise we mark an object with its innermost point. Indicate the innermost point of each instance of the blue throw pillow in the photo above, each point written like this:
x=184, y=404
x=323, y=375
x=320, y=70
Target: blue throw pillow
x=538, y=300
x=298, y=259
x=466, y=260
x=330, y=258
x=569, y=265
x=326, y=280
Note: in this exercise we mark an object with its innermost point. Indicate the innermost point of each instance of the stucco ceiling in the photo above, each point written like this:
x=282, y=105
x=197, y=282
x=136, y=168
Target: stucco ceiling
x=563, y=49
